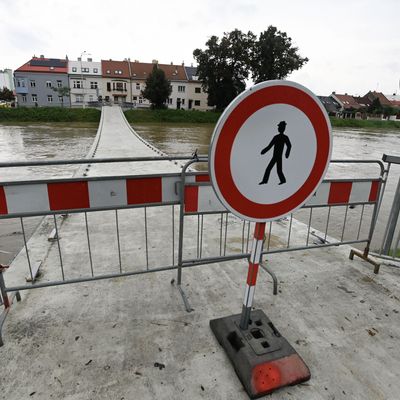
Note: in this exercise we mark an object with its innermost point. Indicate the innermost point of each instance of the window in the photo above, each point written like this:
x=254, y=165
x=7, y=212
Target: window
x=108, y=71
x=170, y=100
x=49, y=98
x=20, y=83
x=183, y=102
x=79, y=98
x=137, y=86
x=33, y=83
x=59, y=83
x=95, y=70
x=24, y=98
x=181, y=89
x=93, y=85
x=108, y=86
x=77, y=84
x=34, y=98
x=134, y=98
x=197, y=90
x=74, y=69
x=197, y=102
x=91, y=98
x=48, y=83
x=84, y=69
x=60, y=99
x=140, y=100
x=119, y=86
x=118, y=72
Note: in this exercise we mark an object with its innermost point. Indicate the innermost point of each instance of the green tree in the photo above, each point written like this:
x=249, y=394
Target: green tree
x=158, y=88
x=223, y=66
x=62, y=92
x=375, y=107
x=6, y=94
x=273, y=56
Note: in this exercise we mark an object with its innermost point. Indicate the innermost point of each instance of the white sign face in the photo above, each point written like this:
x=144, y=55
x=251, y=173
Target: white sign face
x=270, y=150
x=248, y=165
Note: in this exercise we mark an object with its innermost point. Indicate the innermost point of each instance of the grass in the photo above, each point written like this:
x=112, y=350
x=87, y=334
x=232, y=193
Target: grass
x=49, y=114
x=176, y=116
x=361, y=123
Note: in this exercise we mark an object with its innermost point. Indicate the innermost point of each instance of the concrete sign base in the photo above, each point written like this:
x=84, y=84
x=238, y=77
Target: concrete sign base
x=263, y=360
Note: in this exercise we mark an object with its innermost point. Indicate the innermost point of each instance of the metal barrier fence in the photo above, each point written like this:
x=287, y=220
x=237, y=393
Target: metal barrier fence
x=390, y=247
x=177, y=214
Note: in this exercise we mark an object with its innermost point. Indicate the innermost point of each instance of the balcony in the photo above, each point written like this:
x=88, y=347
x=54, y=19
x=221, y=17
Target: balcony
x=21, y=90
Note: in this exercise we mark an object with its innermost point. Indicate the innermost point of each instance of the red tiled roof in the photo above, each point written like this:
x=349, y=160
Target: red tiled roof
x=347, y=101
x=40, y=64
x=172, y=72
x=117, y=69
x=395, y=103
x=382, y=98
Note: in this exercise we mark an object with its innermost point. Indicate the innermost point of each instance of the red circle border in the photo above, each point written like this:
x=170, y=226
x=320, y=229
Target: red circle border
x=277, y=94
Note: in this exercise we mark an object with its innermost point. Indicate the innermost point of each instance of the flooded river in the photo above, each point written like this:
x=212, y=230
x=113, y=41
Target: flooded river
x=39, y=142
x=56, y=141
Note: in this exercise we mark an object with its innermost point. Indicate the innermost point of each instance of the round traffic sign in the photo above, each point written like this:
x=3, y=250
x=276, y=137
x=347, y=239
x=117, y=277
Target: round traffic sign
x=270, y=150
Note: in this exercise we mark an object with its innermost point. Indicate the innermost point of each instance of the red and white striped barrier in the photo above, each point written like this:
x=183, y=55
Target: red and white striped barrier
x=202, y=198
x=90, y=194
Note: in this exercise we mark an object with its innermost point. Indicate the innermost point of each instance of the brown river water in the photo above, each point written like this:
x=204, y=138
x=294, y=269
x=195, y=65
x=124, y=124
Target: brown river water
x=63, y=141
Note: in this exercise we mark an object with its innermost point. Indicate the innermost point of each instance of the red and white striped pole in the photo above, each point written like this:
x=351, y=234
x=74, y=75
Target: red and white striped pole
x=254, y=262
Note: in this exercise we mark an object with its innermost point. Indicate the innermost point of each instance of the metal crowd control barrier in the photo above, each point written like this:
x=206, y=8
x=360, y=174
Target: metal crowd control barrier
x=390, y=247
x=155, y=199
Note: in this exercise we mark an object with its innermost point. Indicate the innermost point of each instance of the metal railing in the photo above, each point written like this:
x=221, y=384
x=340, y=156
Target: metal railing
x=390, y=246
x=140, y=213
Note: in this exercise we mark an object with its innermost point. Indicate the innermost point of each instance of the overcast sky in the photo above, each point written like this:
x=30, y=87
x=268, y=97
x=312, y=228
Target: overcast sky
x=353, y=45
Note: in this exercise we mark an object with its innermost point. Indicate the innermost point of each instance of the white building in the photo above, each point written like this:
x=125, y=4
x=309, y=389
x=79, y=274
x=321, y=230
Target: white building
x=84, y=81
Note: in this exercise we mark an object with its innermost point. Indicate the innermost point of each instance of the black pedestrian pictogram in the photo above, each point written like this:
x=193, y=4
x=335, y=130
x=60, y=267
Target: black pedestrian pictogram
x=278, y=142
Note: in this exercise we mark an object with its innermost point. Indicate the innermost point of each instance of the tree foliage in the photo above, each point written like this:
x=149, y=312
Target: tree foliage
x=62, y=92
x=273, y=56
x=158, y=88
x=223, y=66
x=226, y=63
x=375, y=107
x=6, y=94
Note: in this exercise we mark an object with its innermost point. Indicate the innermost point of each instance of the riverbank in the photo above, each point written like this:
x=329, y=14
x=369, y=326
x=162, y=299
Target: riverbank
x=179, y=116
x=57, y=114
x=49, y=114
x=364, y=124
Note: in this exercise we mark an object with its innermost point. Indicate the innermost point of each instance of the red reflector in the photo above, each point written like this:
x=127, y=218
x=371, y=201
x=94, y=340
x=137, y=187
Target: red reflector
x=285, y=371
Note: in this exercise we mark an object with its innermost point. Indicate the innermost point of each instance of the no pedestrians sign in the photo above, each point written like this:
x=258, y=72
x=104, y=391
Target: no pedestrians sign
x=270, y=150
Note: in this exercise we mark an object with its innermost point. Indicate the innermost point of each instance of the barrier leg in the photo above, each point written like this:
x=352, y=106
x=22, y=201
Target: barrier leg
x=366, y=257
x=4, y=295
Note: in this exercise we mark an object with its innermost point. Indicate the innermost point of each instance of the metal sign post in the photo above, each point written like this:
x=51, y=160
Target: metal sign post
x=269, y=153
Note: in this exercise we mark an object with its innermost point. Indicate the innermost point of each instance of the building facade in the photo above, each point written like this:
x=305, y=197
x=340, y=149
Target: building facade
x=60, y=82
x=116, y=82
x=41, y=83
x=197, y=98
x=85, y=82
